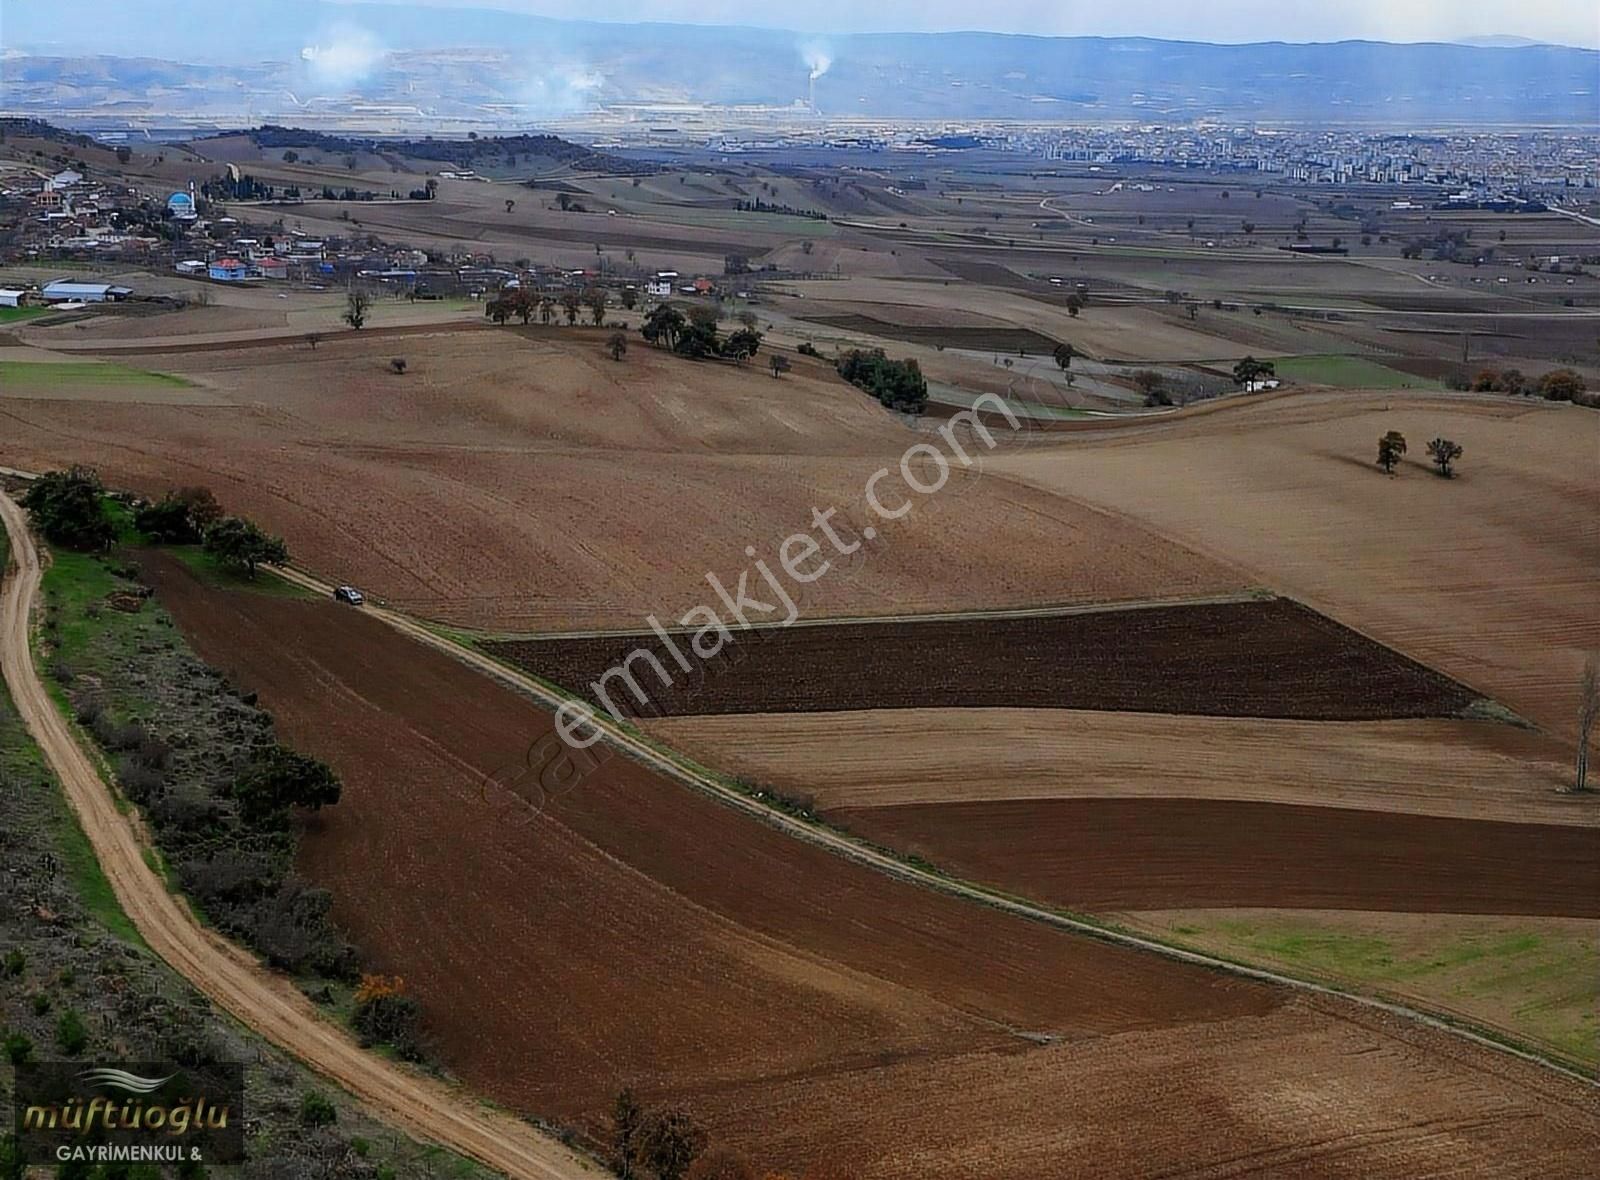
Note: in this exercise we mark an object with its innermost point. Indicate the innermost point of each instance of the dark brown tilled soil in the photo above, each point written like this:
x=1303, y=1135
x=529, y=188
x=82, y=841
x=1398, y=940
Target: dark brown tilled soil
x=1131, y=854
x=1270, y=658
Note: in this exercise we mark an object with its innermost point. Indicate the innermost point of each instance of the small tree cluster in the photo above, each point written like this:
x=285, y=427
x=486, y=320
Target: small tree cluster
x=695, y=335
x=898, y=385
x=242, y=545
x=1557, y=385
x=180, y=517
x=1442, y=451
x=68, y=508
x=1153, y=385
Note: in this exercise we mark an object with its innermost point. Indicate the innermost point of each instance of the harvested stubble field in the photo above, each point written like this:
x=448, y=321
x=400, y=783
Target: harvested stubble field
x=885, y=758
x=1489, y=577
x=1251, y=658
x=521, y=479
x=644, y=935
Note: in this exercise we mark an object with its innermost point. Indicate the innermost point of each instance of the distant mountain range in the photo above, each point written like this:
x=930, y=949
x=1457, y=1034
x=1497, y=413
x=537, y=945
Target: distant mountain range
x=276, y=59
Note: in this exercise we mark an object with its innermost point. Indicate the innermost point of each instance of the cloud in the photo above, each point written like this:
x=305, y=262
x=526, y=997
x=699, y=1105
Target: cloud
x=343, y=55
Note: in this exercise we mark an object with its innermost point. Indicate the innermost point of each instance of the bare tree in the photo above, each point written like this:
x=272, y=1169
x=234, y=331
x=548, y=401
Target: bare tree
x=1444, y=452
x=356, y=304
x=1588, y=713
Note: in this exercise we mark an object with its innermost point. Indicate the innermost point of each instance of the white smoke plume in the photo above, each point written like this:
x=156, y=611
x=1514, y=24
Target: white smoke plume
x=818, y=58
x=558, y=87
x=342, y=56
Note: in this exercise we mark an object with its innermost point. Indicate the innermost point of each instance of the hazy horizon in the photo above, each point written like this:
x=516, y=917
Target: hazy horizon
x=1555, y=22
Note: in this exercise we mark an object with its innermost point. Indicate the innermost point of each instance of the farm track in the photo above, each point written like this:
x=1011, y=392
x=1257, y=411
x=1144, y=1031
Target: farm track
x=680, y=770
x=263, y=1001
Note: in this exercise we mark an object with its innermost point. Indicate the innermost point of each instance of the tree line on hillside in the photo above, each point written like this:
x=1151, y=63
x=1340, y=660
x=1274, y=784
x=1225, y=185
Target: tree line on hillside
x=71, y=508
x=696, y=335
x=220, y=800
x=1557, y=385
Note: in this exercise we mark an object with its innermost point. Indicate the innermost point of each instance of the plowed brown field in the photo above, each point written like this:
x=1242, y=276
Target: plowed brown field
x=1234, y=659
x=638, y=933
x=1114, y=854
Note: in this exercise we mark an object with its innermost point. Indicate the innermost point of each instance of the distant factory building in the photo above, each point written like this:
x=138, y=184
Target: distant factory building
x=12, y=297
x=65, y=179
x=63, y=291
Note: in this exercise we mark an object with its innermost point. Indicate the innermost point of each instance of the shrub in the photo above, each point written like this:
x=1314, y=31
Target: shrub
x=14, y=963
x=293, y=930
x=806, y=348
x=72, y=1037
x=281, y=779
x=384, y=1014
x=398, y=364
x=140, y=783
x=316, y=1110
x=1561, y=385
x=19, y=1048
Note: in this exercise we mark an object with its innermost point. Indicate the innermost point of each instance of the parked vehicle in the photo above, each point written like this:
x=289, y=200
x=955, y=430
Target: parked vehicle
x=349, y=594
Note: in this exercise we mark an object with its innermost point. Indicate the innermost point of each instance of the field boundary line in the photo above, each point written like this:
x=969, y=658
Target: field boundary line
x=264, y=1001
x=687, y=773
x=1047, y=611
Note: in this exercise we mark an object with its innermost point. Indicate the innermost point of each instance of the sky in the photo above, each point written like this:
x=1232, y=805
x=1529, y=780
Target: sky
x=1565, y=22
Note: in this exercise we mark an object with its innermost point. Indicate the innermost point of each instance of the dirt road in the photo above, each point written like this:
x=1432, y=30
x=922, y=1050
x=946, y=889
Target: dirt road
x=683, y=770
x=263, y=1001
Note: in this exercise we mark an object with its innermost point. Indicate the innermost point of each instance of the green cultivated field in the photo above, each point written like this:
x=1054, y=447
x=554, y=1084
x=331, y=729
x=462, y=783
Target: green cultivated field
x=52, y=375
x=1348, y=372
x=1533, y=978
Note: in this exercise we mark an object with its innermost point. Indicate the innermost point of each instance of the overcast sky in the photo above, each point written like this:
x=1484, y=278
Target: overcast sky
x=1567, y=22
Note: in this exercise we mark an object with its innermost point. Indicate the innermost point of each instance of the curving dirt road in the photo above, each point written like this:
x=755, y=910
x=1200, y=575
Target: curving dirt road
x=680, y=768
x=263, y=1001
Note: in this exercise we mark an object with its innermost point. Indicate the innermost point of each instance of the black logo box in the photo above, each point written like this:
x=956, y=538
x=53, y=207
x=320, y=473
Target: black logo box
x=201, y=1111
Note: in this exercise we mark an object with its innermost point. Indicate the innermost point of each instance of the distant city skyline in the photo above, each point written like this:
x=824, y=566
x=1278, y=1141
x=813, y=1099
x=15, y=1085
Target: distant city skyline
x=1562, y=22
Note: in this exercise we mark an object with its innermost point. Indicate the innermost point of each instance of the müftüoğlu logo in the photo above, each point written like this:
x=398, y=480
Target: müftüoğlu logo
x=121, y=1079
x=134, y=1112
